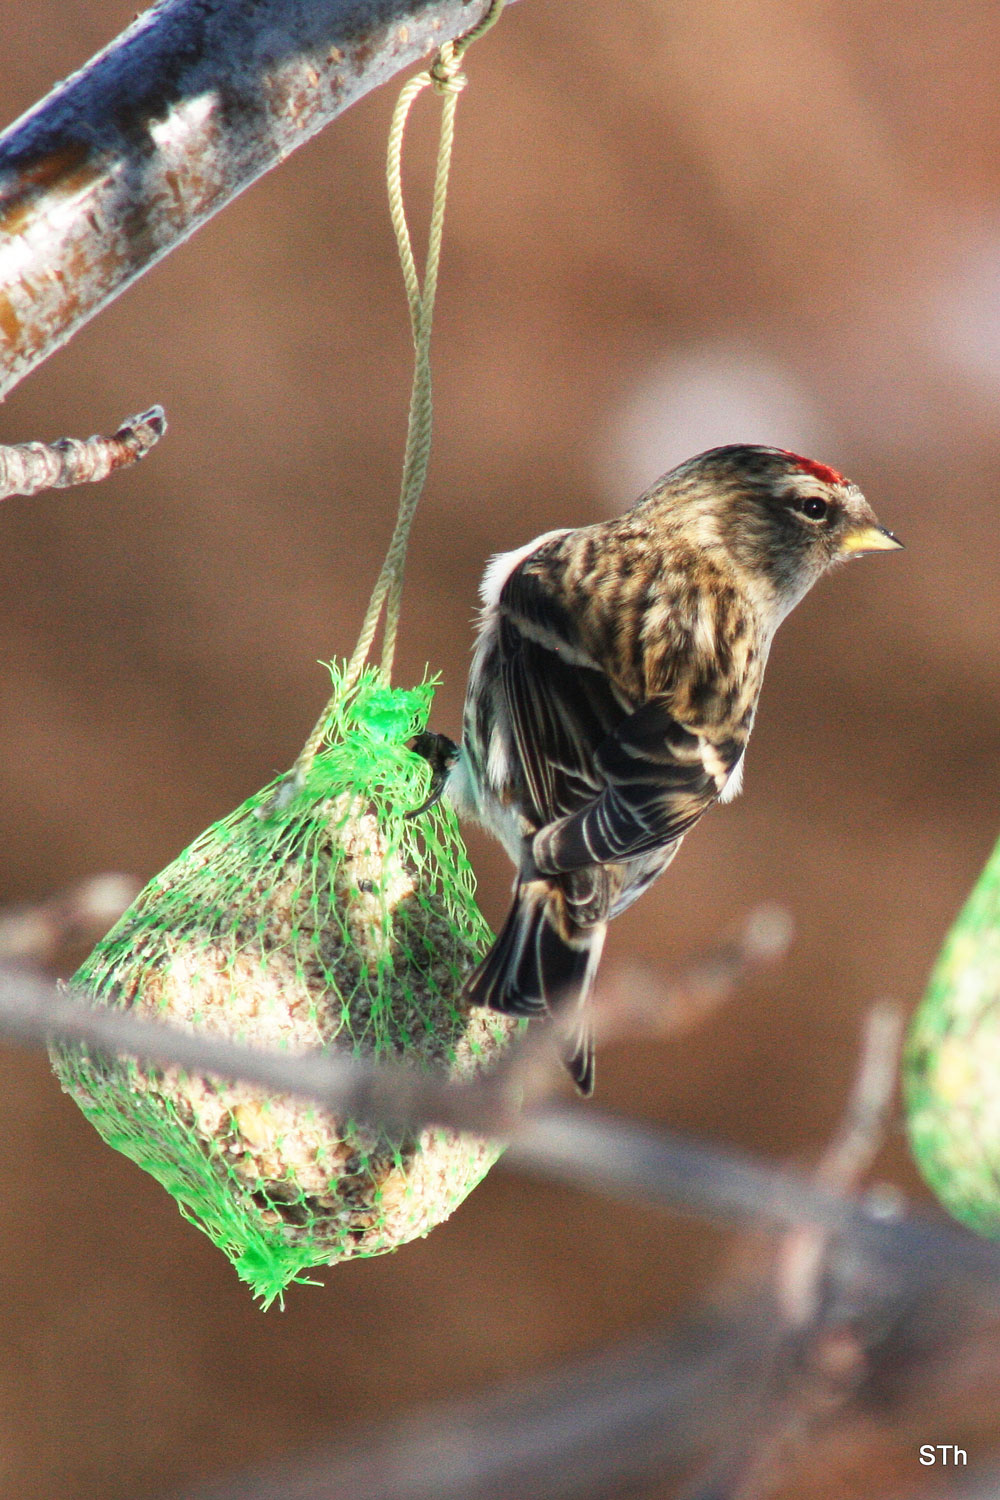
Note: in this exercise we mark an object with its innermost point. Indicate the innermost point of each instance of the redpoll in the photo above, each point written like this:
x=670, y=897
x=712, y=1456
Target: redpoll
x=612, y=692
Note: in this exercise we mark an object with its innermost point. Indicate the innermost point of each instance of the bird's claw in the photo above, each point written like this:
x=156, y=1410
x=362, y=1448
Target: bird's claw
x=440, y=753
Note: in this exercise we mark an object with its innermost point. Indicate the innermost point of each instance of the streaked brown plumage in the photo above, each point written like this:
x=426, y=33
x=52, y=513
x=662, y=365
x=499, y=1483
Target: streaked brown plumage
x=612, y=692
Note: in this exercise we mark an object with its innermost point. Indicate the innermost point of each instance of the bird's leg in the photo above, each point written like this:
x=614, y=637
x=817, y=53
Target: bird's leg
x=440, y=753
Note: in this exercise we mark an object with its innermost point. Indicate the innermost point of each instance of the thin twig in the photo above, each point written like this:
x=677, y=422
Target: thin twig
x=805, y=1254
x=32, y=934
x=621, y=1423
x=632, y=1003
x=589, y=1429
x=27, y=468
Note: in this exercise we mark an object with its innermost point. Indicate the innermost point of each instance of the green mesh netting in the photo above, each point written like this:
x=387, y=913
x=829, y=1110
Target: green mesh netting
x=952, y=1064
x=330, y=923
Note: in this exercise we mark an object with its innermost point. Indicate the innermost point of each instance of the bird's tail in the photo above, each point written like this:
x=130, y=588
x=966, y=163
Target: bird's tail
x=542, y=961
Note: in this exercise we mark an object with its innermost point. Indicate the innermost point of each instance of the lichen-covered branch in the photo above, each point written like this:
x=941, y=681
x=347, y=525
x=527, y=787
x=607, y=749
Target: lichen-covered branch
x=191, y=104
x=27, y=468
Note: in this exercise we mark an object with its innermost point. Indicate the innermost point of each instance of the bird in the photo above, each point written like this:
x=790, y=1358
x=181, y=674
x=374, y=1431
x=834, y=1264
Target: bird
x=613, y=688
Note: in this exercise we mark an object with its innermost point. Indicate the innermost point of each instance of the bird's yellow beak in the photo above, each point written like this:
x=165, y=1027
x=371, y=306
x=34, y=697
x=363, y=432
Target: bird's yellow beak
x=869, y=539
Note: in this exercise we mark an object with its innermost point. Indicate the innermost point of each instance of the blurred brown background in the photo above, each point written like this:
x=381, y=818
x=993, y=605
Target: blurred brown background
x=671, y=225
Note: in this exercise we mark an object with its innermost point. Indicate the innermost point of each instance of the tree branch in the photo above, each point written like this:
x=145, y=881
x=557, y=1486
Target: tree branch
x=850, y=1283
x=192, y=103
x=574, y=1144
x=593, y=1427
x=27, y=468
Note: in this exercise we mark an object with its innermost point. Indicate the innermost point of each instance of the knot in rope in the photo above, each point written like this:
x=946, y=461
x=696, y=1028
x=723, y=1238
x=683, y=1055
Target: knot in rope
x=444, y=71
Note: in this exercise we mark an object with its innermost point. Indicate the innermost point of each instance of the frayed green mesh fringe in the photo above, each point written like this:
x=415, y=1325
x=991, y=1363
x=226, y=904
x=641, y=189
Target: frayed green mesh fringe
x=952, y=1064
x=330, y=923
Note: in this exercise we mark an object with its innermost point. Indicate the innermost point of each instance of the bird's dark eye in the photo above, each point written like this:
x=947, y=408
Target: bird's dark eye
x=813, y=508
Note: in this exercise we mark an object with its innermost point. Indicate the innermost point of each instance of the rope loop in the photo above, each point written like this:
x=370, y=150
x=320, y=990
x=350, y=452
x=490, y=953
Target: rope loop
x=444, y=77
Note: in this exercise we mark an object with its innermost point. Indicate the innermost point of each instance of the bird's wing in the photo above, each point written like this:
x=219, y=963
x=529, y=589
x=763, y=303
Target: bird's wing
x=656, y=776
x=561, y=705
x=559, y=715
x=606, y=779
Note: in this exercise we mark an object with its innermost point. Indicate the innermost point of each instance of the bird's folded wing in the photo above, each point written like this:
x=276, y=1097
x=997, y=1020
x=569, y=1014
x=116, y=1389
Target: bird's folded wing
x=560, y=712
x=657, y=779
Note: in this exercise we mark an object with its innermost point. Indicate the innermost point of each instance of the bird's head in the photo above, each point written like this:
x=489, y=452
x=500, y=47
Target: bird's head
x=781, y=518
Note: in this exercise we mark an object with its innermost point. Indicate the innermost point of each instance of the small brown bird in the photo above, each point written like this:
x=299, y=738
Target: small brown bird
x=612, y=692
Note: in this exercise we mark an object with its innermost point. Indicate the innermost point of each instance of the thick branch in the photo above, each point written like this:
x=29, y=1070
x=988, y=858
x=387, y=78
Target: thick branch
x=186, y=108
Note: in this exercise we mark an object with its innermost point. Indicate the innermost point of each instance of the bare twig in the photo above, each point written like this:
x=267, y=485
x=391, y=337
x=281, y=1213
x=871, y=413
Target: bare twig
x=186, y=108
x=619, y=1424
x=632, y=1003
x=397, y=1096
x=26, y=468
x=861, y=1133
x=32, y=934
x=592, y=1428
x=804, y=1258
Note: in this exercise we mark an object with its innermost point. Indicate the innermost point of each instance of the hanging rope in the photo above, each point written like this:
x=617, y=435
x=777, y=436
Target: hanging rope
x=444, y=77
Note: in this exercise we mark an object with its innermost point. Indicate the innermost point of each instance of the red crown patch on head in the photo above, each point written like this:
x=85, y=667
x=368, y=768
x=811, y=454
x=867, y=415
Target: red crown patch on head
x=821, y=472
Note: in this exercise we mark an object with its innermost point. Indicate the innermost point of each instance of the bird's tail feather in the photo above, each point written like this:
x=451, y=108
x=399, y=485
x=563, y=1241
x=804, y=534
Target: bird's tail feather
x=542, y=962
x=578, y=1055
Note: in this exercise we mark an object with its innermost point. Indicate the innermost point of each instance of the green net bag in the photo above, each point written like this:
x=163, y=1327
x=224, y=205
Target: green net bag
x=332, y=922
x=952, y=1064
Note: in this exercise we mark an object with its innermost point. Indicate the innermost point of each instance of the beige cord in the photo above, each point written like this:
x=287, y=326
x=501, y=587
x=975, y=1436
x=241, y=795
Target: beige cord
x=444, y=76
